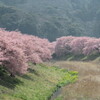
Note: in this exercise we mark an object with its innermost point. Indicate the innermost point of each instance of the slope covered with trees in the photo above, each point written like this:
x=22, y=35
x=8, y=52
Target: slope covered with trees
x=51, y=19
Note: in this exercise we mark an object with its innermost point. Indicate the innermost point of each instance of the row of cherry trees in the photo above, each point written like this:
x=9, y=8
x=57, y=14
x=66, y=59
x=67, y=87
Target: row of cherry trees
x=77, y=45
x=16, y=50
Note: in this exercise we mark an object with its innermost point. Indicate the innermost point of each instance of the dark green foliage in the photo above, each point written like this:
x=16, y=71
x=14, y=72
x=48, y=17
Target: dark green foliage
x=6, y=80
x=2, y=71
x=71, y=57
x=91, y=57
x=11, y=18
x=51, y=19
x=13, y=2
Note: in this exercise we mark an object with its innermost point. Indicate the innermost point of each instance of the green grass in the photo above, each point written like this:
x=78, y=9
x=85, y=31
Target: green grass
x=80, y=57
x=38, y=84
x=91, y=57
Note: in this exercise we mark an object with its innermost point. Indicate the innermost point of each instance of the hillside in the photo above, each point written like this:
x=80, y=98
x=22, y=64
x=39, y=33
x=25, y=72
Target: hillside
x=39, y=83
x=52, y=19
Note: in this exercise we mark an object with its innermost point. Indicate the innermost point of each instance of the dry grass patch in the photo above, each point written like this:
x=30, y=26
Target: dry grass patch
x=88, y=85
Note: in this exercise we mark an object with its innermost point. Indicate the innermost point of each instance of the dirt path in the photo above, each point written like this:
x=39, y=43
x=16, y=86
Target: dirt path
x=88, y=85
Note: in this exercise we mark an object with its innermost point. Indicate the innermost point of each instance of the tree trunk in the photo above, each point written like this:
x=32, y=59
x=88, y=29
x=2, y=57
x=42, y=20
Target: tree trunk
x=12, y=75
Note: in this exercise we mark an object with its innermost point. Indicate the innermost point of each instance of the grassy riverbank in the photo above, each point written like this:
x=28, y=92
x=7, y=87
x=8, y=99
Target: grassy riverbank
x=38, y=84
x=88, y=85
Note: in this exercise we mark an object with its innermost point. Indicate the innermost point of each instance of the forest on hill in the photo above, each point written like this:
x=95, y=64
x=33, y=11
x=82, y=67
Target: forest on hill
x=51, y=18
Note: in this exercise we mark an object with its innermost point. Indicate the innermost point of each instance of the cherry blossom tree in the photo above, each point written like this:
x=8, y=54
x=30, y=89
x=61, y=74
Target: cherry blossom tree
x=63, y=45
x=77, y=45
x=16, y=50
x=92, y=46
